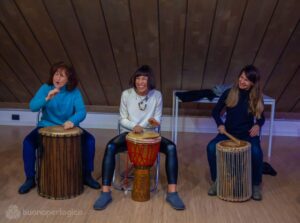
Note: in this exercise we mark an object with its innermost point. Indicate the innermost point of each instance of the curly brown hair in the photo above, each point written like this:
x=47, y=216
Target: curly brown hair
x=70, y=72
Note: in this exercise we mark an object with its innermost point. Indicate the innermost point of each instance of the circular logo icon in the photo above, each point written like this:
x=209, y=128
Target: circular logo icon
x=13, y=212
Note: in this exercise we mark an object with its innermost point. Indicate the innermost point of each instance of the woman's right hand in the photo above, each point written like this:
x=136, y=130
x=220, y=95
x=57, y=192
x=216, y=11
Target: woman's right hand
x=138, y=129
x=52, y=93
x=221, y=129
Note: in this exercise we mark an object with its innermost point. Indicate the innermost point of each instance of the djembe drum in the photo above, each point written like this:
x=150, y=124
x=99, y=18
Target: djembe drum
x=142, y=151
x=234, y=181
x=60, y=163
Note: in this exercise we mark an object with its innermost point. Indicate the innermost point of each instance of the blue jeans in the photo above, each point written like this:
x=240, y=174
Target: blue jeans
x=256, y=154
x=31, y=143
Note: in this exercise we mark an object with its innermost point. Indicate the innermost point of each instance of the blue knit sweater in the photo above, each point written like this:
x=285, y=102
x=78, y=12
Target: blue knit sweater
x=64, y=106
x=238, y=120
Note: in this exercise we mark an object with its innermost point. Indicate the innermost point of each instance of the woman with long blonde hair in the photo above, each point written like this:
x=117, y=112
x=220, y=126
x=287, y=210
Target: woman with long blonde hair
x=244, y=107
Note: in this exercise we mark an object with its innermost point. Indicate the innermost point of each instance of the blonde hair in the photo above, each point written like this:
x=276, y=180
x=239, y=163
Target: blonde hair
x=256, y=105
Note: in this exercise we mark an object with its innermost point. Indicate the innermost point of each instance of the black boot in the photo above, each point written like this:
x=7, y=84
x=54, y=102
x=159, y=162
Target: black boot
x=27, y=185
x=89, y=181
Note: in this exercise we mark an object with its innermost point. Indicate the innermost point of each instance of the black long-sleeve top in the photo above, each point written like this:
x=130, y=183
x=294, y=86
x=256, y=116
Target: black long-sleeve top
x=238, y=120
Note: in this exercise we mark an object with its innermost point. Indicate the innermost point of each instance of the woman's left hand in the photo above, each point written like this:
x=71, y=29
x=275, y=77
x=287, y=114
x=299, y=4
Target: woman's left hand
x=68, y=125
x=254, y=131
x=153, y=122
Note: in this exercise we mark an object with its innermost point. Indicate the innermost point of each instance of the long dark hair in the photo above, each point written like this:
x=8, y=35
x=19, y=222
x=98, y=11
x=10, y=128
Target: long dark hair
x=256, y=105
x=70, y=72
x=146, y=71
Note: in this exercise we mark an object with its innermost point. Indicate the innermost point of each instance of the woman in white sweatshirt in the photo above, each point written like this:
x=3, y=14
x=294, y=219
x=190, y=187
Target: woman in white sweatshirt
x=140, y=108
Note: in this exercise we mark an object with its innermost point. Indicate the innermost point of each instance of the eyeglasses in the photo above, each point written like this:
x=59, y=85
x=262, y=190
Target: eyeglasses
x=143, y=104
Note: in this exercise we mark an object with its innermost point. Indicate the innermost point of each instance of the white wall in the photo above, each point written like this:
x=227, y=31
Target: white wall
x=185, y=124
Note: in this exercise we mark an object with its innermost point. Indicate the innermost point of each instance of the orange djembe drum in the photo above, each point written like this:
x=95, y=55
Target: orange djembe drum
x=60, y=163
x=142, y=151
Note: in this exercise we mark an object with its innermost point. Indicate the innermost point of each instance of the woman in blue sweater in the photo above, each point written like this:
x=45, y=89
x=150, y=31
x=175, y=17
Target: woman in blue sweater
x=61, y=103
x=244, y=118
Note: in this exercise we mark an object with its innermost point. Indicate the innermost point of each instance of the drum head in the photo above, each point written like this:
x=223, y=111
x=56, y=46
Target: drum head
x=229, y=145
x=144, y=137
x=59, y=131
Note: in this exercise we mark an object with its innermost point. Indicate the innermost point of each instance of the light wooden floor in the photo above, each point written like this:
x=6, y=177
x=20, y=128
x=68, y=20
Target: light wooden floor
x=281, y=194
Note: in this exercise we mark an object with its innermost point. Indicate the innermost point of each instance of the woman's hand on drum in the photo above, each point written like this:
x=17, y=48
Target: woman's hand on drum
x=153, y=122
x=254, y=131
x=138, y=129
x=52, y=93
x=221, y=129
x=68, y=125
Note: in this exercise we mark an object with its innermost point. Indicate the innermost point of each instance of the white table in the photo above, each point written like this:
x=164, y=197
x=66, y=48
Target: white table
x=267, y=101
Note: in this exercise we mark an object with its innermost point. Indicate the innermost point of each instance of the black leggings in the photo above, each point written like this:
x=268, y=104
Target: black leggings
x=118, y=144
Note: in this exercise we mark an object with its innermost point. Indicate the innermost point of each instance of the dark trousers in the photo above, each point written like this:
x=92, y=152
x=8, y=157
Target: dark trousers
x=31, y=143
x=256, y=154
x=118, y=144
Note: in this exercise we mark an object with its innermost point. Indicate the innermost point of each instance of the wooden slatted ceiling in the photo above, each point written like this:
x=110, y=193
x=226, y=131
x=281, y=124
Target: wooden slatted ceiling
x=289, y=100
x=286, y=67
x=146, y=34
x=282, y=24
x=92, y=22
x=24, y=39
x=17, y=62
x=66, y=23
x=12, y=82
x=199, y=20
x=191, y=44
x=43, y=29
x=5, y=94
x=252, y=30
x=200, y=17
x=227, y=22
x=172, y=16
x=297, y=107
x=117, y=16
